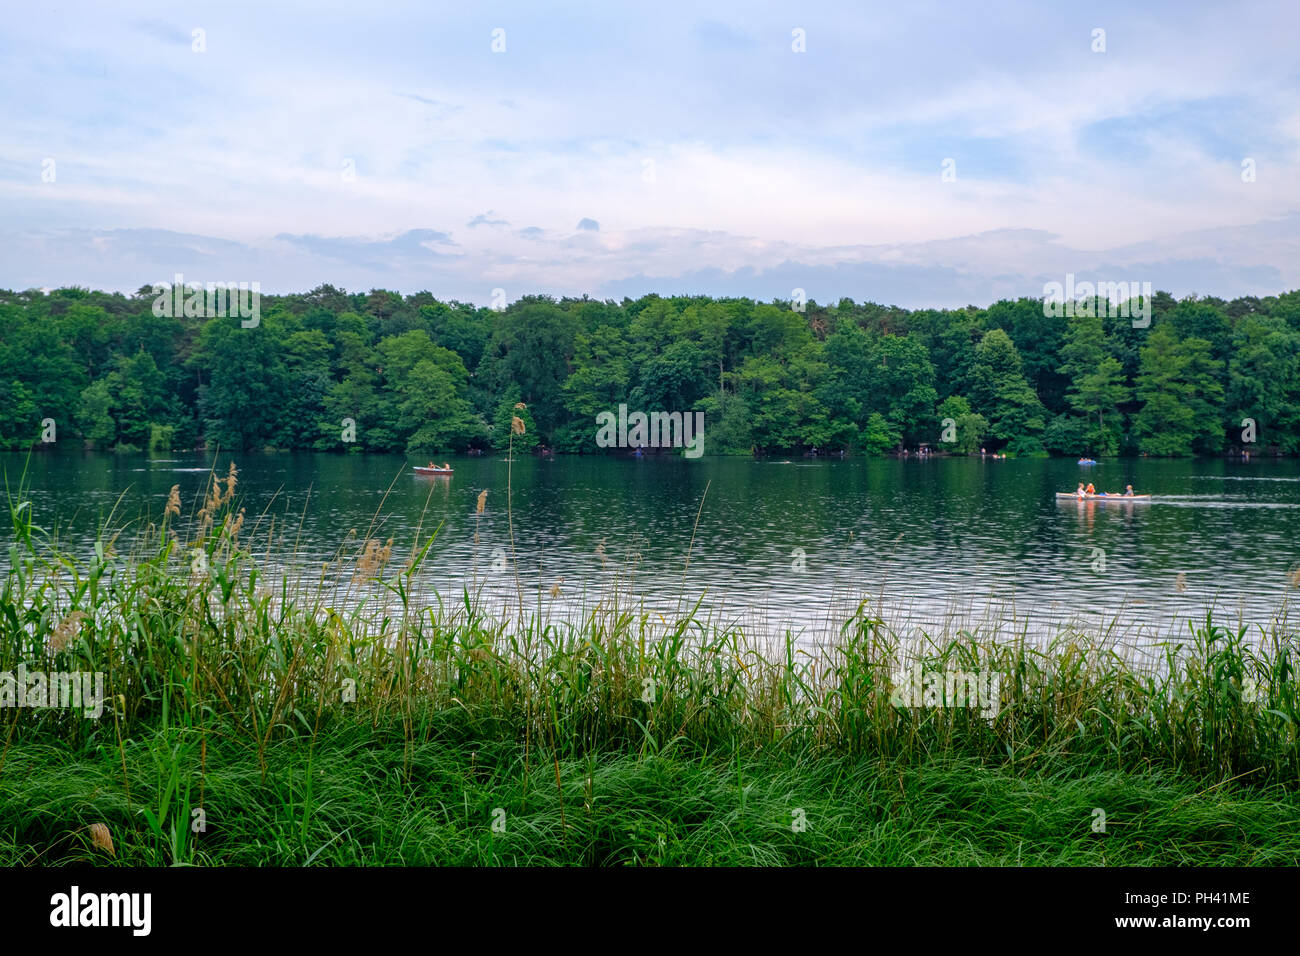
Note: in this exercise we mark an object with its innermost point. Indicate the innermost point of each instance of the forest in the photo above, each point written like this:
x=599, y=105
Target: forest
x=330, y=370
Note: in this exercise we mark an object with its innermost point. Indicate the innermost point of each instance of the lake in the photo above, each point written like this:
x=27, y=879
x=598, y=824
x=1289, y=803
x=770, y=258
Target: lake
x=940, y=543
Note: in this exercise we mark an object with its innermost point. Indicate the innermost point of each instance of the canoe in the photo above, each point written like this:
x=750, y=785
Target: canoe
x=424, y=470
x=1071, y=494
x=1087, y=461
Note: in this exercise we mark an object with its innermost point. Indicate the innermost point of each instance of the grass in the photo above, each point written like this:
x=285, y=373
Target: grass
x=253, y=721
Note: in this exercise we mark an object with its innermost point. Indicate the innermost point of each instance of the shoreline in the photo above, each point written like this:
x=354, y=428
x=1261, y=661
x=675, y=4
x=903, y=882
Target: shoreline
x=621, y=739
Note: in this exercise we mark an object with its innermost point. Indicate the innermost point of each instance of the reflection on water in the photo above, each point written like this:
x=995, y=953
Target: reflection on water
x=940, y=544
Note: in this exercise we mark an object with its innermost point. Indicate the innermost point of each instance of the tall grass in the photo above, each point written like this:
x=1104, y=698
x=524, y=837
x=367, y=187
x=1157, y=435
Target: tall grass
x=215, y=670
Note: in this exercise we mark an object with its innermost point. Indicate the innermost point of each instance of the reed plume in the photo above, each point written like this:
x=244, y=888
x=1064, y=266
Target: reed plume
x=65, y=631
x=101, y=839
x=173, y=508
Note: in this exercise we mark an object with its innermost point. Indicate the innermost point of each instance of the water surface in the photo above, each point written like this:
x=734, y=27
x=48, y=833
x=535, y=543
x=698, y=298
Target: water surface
x=943, y=543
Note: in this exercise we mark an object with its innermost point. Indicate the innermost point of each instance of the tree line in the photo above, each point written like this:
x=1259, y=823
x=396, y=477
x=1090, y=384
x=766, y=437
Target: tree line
x=379, y=371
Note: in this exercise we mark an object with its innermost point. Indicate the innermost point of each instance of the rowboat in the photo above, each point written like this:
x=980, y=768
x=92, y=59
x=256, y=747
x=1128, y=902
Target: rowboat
x=431, y=470
x=1079, y=497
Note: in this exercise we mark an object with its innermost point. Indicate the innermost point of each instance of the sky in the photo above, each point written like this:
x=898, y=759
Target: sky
x=916, y=154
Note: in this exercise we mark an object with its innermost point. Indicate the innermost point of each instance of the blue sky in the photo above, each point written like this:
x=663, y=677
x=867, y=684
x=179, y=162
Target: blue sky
x=677, y=148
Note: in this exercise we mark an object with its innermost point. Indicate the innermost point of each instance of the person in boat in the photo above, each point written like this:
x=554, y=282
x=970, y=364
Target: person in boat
x=1081, y=492
x=1128, y=491
x=1090, y=489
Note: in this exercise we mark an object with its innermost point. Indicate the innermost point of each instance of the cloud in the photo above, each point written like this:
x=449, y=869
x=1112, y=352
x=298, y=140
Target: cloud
x=764, y=159
x=437, y=108
x=976, y=269
x=482, y=220
x=420, y=99
x=412, y=245
x=162, y=31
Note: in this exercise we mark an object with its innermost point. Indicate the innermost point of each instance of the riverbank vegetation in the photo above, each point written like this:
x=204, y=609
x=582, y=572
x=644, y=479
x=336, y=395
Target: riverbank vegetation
x=377, y=371
x=255, y=717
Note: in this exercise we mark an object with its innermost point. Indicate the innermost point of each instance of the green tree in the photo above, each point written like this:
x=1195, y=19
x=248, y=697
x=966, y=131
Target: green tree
x=781, y=398
x=1264, y=382
x=40, y=375
x=1070, y=435
x=902, y=387
x=878, y=435
x=1096, y=379
x=94, y=414
x=394, y=372
x=969, y=427
x=530, y=348
x=356, y=395
x=139, y=397
x=727, y=423
x=599, y=383
x=432, y=397
x=246, y=384
x=307, y=354
x=846, y=391
x=1039, y=335
x=503, y=436
x=671, y=380
x=1003, y=396
x=1178, y=385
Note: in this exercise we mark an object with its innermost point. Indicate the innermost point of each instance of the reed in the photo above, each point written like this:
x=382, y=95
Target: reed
x=289, y=720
